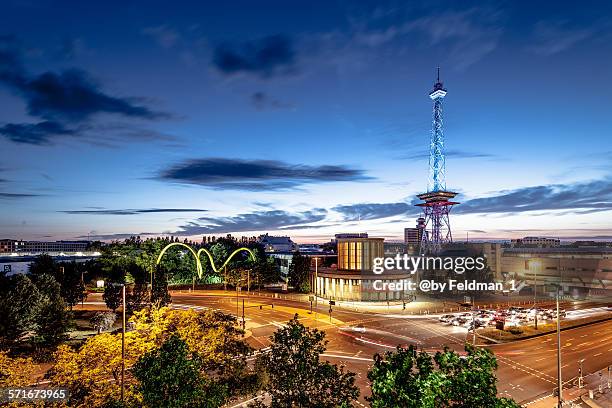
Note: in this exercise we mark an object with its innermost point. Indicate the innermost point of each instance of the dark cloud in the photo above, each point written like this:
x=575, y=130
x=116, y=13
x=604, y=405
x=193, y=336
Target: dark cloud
x=578, y=198
x=456, y=154
x=34, y=133
x=256, y=221
x=71, y=95
x=58, y=98
x=373, y=211
x=133, y=211
x=263, y=101
x=270, y=56
x=255, y=175
x=17, y=195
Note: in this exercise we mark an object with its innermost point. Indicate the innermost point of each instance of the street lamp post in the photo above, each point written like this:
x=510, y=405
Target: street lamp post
x=122, y=337
x=559, y=377
x=580, y=374
x=316, y=285
x=536, y=265
x=123, y=347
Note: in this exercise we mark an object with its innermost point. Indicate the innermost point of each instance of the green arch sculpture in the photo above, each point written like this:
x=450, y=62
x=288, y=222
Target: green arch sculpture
x=210, y=258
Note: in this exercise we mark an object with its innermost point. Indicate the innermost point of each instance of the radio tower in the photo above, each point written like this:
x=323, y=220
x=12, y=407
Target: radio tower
x=436, y=201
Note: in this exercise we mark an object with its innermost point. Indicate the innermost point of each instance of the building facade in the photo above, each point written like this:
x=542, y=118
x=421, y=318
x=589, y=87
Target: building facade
x=581, y=271
x=353, y=279
x=42, y=247
x=541, y=242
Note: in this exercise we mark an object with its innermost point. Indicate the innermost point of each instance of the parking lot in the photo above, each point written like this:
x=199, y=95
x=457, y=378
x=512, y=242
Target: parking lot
x=512, y=316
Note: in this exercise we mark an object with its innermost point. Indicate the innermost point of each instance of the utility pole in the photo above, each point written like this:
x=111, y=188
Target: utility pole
x=316, y=285
x=535, y=294
x=473, y=323
x=243, y=321
x=559, y=381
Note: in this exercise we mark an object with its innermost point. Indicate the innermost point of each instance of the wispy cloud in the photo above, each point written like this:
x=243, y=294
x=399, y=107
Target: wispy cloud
x=133, y=211
x=262, y=101
x=255, y=221
x=456, y=154
x=267, y=57
x=554, y=37
x=374, y=211
x=578, y=198
x=17, y=195
x=255, y=175
x=165, y=36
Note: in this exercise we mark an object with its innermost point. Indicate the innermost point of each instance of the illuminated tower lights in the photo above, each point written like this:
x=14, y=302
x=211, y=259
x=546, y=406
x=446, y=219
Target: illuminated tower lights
x=436, y=203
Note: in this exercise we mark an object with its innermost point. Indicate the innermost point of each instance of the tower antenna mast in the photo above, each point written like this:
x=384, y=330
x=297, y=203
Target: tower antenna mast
x=436, y=203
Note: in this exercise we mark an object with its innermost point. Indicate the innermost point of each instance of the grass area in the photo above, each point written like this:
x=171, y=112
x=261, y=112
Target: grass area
x=521, y=332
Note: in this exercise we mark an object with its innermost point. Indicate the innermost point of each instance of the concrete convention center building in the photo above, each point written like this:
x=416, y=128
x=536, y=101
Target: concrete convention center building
x=353, y=279
x=582, y=270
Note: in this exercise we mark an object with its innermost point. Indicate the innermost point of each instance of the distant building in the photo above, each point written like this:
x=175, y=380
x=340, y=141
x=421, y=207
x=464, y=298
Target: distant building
x=310, y=248
x=347, y=235
x=42, y=247
x=579, y=270
x=537, y=242
x=393, y=248
x=277, y=244
x=414, y=236
x=8, y=246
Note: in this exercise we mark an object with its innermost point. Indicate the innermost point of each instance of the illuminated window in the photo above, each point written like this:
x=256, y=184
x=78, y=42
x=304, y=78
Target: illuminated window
x=358, y=255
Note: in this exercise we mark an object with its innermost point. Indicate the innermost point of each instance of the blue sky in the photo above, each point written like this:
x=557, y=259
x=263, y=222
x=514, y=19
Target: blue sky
x=301, y=118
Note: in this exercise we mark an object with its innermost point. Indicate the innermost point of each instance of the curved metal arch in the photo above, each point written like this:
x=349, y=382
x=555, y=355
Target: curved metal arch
x=195, y=255
x=229, y=258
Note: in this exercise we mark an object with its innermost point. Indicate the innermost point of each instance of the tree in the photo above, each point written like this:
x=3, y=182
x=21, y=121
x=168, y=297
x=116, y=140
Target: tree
x=112, y=288
x=19, y=306
x=138, y=295
x=295, y=377
x=70, y=278
x=53, y=319
x=159, y=292
x=171, y=377
x=103, y=320
x=16, y=372
x=266, y=271
x=299, y=272
x=214, y=336
x=405, y=378
x=43, y=265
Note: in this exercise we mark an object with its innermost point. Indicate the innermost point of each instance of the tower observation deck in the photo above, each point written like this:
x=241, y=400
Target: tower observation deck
x=437, y=202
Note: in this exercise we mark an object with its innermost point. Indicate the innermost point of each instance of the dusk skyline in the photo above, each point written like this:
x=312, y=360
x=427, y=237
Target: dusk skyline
x=304, y=120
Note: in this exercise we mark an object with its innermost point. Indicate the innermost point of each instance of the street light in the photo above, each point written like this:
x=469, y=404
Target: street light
x=536, y=264
x=122, y=338
x=559, y=377
x=580, y=374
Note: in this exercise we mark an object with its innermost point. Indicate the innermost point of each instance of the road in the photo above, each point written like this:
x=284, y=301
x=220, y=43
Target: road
x=527, y=369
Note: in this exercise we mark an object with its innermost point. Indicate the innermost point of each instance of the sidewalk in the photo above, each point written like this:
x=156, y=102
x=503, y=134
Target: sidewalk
x=575, y=395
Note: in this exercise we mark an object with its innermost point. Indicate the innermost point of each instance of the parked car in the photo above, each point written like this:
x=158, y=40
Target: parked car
x=446, y=318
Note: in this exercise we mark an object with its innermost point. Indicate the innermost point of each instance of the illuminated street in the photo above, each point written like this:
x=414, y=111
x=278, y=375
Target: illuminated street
x=527, y=368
